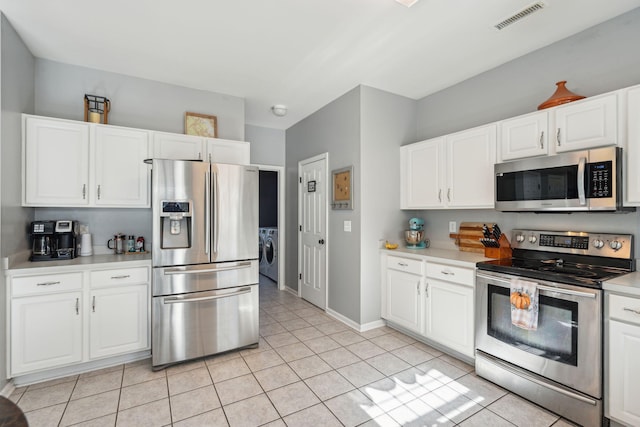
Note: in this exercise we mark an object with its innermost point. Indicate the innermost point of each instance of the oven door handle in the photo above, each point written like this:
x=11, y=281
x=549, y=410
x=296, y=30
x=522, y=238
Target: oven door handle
x=541, y=287
x=176, y=300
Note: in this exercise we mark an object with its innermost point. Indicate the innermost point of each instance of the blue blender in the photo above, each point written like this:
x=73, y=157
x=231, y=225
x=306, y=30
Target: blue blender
x=414, y=236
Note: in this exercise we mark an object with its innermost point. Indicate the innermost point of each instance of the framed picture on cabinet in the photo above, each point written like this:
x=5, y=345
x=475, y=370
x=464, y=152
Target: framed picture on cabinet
x=201, y=125
x=342, y=188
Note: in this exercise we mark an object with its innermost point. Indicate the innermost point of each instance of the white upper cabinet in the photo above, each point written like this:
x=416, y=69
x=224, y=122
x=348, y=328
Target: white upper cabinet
x=632, y=152
x=471, y=155
x=422, y=174
x=228, y=151
x=455, y=171
x=69, y=163
x=56, y=162
x=524, y=136
x=584, y=124
x=178, y=147
x=120, y=176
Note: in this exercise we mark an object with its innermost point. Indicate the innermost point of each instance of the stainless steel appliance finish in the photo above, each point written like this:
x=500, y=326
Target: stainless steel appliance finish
x=589, y=180
x=205, y=293
x=560, y=364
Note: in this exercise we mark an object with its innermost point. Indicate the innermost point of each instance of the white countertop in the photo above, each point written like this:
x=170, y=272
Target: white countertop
x=21, y=266
x=628, y=284
x=454, y=257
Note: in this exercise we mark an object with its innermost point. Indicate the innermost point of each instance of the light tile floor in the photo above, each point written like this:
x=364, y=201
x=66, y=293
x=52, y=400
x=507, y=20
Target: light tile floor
x=309, y=370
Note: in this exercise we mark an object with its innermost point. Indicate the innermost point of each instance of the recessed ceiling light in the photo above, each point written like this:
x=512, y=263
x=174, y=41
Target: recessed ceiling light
x=407, y=3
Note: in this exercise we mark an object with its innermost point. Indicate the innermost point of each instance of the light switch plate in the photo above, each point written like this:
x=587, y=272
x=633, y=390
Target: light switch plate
x=453, y=227
x=347, y=226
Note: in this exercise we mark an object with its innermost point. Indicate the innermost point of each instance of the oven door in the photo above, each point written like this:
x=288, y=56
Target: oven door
x=567, y=345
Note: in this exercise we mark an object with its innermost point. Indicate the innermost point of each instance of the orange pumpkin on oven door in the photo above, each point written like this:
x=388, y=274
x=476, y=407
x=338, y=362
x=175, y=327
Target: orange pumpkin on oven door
x=520, y=300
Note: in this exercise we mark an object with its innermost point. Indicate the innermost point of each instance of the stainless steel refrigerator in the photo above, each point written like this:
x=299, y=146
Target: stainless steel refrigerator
x=205, y=259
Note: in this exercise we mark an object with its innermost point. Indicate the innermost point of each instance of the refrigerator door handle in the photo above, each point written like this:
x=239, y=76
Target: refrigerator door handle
x=238, y=266
x=175, y=300
x=215, y=212
x=207, y=212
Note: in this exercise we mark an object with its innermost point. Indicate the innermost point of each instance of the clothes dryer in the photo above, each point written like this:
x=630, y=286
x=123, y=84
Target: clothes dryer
x=262, y=260
x=271, y=253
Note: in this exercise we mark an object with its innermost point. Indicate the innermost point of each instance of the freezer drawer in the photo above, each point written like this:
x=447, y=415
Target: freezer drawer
x=204, y=277
x=202, y=323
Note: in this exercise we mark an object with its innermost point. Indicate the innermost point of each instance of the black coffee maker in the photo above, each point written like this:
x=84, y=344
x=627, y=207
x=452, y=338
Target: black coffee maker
x=43, y=244
x=65, y=238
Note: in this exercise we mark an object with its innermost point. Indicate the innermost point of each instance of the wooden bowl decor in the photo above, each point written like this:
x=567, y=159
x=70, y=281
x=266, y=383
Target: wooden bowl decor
x=562, y=95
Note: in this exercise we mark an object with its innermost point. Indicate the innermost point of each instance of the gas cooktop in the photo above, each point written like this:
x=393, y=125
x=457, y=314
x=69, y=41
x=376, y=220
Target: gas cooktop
x=577, y=258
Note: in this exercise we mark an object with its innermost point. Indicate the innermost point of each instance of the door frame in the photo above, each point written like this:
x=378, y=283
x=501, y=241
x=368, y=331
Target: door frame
x=281, y=220
x=325, y=157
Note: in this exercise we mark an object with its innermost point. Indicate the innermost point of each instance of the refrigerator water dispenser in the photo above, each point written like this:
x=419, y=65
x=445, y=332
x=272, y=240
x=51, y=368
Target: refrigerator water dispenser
x=175, y=224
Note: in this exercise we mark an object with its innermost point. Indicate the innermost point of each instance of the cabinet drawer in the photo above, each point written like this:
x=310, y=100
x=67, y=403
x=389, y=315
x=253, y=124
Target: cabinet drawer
x=405, y=264
x=45, y=283
x=120, y=276
x=624, y=308
x=461, y=275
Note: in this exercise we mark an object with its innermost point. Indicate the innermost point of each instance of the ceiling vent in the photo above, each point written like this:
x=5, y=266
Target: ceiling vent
x=520, y=15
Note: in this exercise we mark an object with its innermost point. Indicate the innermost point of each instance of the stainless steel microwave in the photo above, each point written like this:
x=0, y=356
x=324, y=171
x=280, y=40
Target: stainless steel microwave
x=589, y=180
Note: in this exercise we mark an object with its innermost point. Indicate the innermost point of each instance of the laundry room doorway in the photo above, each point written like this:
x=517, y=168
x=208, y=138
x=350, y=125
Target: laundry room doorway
x=271, y=224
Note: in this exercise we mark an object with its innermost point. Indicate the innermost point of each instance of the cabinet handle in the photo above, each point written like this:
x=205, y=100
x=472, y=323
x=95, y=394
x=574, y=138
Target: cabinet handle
x=426, y=289
x=209, y=157
x=418, y=287
x=448, y=194
x=440, y=195
x=93, y=304
x=77, y=305
x=542, y=140
x=447, y=272
x=199, y=155
x=402, y=264
x=47, y=283
x=631, y=310
x=84, y=191
x=121, y=277
x=558, y=137
x=98, y=191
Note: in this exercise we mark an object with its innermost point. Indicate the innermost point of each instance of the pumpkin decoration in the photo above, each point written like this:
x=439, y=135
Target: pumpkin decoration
x=520, y=300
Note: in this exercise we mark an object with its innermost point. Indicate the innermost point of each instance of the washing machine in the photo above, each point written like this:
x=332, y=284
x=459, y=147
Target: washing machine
x=262, y=260
x=271, y=253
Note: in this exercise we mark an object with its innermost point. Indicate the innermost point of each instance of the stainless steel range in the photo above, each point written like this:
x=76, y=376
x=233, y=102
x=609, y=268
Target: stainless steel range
x=558, y=364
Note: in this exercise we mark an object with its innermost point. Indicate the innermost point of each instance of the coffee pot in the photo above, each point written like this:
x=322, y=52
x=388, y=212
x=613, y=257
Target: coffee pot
x=118, y=242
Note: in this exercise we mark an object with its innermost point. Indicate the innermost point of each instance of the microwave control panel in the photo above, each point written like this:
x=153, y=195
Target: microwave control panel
x=599, y=178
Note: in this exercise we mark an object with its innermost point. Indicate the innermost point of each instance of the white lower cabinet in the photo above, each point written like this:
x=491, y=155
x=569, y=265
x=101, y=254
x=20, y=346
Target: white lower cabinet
x=431, y=299
x=72, y=316
x=623, y=356
x=46, y=331
x=404, y=304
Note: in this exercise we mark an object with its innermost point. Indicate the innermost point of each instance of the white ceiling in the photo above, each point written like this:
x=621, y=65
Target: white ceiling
x=300, y=53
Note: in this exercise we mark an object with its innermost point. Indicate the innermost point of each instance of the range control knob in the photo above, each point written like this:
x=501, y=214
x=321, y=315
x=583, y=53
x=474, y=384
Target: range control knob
x=598, y=244
x=615, y=244
x=533, y=239
x=519, y=237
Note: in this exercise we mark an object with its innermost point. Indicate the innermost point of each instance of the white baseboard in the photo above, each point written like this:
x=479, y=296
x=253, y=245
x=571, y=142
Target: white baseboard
x=354, y=325
x=291, y=291
x=8, y=389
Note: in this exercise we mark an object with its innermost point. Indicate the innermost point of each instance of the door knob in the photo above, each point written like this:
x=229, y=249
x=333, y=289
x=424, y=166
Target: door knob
x=321, y=241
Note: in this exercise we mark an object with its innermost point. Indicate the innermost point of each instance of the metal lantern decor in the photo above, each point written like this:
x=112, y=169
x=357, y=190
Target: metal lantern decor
x=96, y=109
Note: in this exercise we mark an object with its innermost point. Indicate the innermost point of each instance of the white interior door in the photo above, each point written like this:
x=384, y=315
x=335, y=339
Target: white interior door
x=313, y=199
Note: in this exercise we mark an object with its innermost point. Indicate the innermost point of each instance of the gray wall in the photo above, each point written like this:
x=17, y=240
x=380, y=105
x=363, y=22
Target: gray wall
x=600, y=59
x=335, y=129
x=387, y=122
x=135, y=102
x=267, y=145
x=17, y=67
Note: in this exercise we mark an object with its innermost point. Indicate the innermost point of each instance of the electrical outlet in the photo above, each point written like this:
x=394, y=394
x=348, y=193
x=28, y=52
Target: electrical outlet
x=453, y=227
